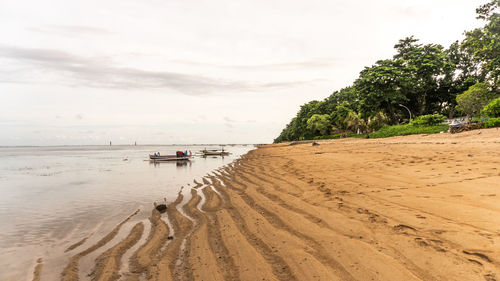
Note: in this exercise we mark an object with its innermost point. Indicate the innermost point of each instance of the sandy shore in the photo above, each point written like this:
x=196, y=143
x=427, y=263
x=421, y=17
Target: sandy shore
x=403, y=208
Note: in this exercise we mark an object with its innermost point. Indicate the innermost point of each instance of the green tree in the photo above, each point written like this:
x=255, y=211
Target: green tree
x=492, y=109
x=380, y=88
x=422, y=66
x=484, y=42
x=355, y=122
x=377, y=121
x=348, y=95
x=459, y=73
x=297, y=128
x=474, y=99
x=319, y=123
x=338, y=117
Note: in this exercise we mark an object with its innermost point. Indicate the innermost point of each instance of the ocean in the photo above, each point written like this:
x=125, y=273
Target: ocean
x=51, y=197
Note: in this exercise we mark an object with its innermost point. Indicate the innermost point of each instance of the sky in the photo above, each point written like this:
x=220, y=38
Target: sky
x=180, y=72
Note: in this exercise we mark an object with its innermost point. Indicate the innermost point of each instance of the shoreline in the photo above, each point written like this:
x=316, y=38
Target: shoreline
x=402, y=208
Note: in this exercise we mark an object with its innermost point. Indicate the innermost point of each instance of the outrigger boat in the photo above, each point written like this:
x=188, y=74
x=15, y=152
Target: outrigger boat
x=180, y=156
x=214, y=152
x=168, y=158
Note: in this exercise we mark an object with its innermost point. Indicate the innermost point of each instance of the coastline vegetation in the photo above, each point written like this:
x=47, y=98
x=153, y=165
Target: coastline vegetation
x=419, y=80
x=407, y=129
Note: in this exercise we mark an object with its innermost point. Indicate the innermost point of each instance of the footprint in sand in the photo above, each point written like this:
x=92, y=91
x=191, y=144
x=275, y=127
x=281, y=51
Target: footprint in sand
x=403, y=228
x=477, y=254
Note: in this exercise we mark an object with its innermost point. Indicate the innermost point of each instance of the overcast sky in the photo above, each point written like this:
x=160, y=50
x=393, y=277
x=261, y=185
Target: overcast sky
x=174, y=71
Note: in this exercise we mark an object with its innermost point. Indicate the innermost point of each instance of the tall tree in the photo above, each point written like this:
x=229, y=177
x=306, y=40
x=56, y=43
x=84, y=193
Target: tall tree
x=422, y=65
x=348, y=94
x=484, y=42
x=459, y=73
x=339, y=116
x=380, y=88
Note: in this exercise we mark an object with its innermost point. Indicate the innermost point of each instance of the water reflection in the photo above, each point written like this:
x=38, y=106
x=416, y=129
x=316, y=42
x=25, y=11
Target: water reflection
x=178, y=163
x=51, y=196
x=212, y=156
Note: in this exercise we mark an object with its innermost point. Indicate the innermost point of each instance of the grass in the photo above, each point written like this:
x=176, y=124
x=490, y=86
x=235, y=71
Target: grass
x=492, y=123
x=407, y=129
x=391, y=131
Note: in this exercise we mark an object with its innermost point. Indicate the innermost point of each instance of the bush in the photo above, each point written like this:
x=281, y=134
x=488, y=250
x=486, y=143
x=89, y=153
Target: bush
x=407, y=129
x=428, y=120
x=474, y=99
x=492, y=109
x=492, y=123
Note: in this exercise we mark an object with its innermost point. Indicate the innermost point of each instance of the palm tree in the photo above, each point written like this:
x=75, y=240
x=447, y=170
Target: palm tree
x=355, y=122
x=377, y=121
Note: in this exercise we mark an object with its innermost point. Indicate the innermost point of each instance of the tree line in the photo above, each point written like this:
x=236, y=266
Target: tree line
x=420, y=79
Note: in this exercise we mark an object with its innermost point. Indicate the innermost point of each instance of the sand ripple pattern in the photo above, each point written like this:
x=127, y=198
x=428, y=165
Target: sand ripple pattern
x=404, y=208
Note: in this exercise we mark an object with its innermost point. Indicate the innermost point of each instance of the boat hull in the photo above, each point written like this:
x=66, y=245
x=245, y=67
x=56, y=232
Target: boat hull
x=215, y=153
x=168, y=158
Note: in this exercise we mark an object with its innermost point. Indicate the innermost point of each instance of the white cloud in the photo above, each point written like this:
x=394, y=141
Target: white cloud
x=186, y=71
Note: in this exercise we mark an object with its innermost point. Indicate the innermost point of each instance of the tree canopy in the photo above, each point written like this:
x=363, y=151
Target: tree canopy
x=474, y=99
x=319, y=123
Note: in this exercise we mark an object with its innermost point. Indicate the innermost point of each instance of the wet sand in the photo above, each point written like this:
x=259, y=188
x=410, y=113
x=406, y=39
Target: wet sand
x=403, y=208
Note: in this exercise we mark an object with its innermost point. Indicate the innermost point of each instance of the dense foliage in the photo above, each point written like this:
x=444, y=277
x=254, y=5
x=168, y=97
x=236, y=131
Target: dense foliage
x=492, y=122
x=428, y=120
x=319, y=123
x=492, y=109
x=425, y=79
x=474, y=99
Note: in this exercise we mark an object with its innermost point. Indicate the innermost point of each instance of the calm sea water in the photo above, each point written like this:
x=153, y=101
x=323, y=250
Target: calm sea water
x=50, y=196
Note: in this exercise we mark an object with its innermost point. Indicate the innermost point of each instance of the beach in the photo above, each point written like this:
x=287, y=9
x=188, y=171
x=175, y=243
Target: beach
x=423, y=207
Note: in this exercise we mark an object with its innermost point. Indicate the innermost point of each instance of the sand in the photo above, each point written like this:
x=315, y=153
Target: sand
x=423, y=207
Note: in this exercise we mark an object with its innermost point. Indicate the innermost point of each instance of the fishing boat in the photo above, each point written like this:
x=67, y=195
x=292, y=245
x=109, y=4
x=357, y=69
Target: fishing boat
x=179, y=156
x=168, y=158
x=214, y=152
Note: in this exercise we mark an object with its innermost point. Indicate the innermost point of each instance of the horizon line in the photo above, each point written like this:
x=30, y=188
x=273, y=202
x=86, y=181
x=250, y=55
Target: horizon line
x=175, y=144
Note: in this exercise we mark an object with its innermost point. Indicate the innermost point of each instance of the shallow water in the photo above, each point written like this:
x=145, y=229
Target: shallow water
x=52, y=196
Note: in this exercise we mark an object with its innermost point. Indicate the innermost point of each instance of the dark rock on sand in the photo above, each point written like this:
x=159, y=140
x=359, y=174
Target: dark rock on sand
x=161, y=208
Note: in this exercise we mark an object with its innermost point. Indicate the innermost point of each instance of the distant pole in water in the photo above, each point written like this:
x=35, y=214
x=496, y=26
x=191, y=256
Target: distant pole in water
x=109, y=143
x=135, y=143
